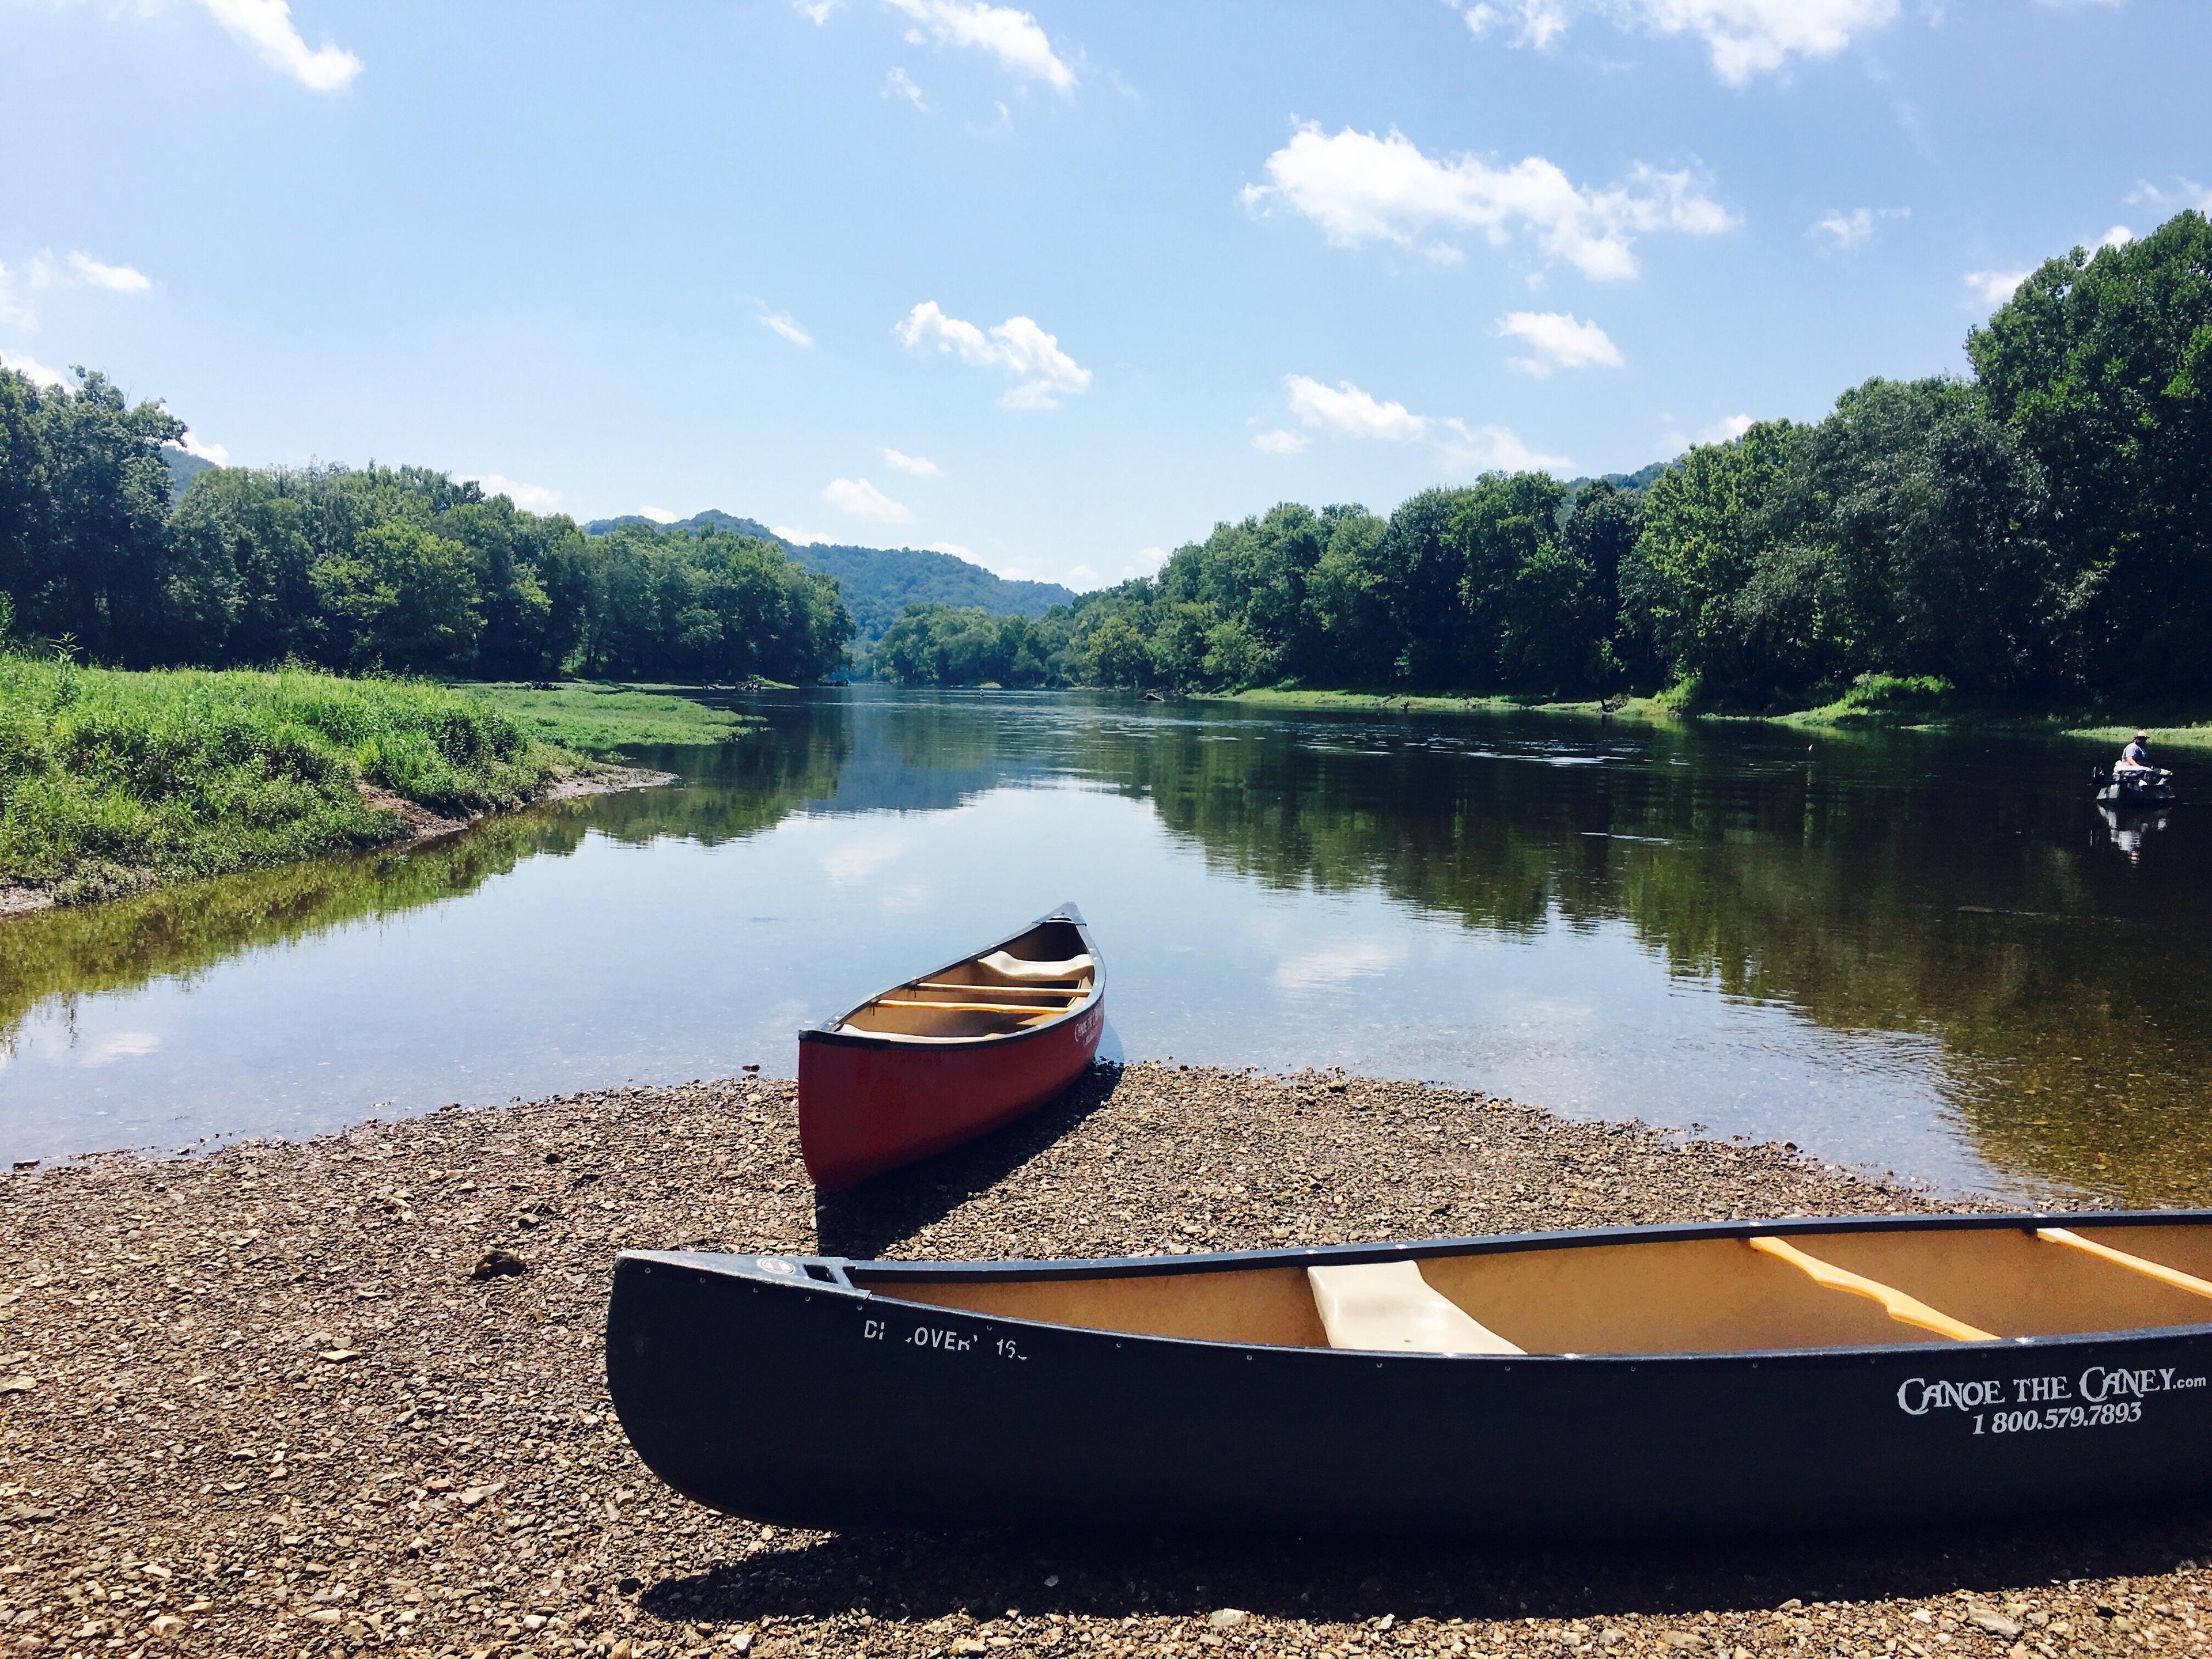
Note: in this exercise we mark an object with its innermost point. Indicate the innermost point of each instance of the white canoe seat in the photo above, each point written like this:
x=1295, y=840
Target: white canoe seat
x=1008, y=967
x=1388, y=1307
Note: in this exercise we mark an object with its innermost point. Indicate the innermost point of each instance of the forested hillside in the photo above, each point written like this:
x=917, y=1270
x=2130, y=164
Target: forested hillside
x=403, y=569
x=2041, y=530
x=879, y=583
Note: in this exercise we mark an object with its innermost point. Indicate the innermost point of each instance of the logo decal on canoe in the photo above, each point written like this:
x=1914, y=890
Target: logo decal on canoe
x=2101, y=1396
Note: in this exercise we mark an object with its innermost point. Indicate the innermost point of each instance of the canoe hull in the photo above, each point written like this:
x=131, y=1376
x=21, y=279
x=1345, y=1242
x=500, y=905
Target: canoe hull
x=866, y=1108
x=766, y=1392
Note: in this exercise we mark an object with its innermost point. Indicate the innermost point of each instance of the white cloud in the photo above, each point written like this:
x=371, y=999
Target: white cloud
x=1339, y=963
x=920, y=465
x=118, y=1045
x=1493, y=449
x=1014, y=38
x=857, y=861
x=14, y=311
x=1744, y=37
x=1537, y=22
x=815, y=11
x=864, y=501
x=532, y=498
x=1281, y=441
x=998, y=129
x=658, y=514
x=1360, y=188
x=1726, y=430
x=2188, y=193
x=1345, y=409
x=207, y=452
x=783, y=325
x=899, y=84
x=1043, y=373
x=117, y=279
x=1847, y=233
x=32, y=369
x=1144, y=561
x=798, y=537
x=1559, y=342
x=958, y=550
x=2117, y=236
x=1994, y=288
x=266, y=26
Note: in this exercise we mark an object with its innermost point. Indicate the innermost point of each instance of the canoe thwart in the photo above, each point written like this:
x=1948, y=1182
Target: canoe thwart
x=1905, y=1309
x=964, y=1007
x=998, y=990
x=2134, y=1264
x=1388, y=1307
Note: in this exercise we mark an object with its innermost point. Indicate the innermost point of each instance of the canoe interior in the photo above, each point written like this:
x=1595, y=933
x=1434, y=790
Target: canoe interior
x=995, y=993
x=1852, y=1288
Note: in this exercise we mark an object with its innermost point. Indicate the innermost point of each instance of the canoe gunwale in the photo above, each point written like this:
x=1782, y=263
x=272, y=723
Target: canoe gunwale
x=834, y=1030
x=832, y=1276
x=1017, y=1270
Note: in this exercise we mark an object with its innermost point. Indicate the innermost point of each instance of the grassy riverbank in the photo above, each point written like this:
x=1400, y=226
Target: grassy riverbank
x=112, y=782
x=596, y=719
x=1893, y=704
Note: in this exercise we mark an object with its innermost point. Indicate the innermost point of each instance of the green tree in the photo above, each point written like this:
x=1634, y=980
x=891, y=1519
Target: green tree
x=1679, y=591
x=84, y=498
x=402, y=599
x=2102, y=365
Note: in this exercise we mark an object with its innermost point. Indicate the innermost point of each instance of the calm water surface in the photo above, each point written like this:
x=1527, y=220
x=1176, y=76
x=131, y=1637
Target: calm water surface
x=1911, y=952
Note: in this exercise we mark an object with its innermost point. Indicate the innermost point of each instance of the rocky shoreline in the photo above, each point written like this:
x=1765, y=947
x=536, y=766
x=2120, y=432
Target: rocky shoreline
x=285, y=1400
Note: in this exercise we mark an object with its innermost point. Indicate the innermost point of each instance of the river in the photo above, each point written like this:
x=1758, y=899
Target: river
x=1910, y=952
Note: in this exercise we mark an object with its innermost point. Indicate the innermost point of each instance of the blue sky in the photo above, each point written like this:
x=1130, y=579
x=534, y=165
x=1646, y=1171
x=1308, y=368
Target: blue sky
x=1056, y=288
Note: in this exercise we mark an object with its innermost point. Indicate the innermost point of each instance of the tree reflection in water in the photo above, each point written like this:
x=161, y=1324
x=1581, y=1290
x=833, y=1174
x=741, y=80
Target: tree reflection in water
x=1957, y=890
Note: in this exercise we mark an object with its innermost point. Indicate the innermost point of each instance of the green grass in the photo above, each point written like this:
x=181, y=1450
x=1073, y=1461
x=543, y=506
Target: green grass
x=603, y=720
x=114, y=782
x=1444, y=702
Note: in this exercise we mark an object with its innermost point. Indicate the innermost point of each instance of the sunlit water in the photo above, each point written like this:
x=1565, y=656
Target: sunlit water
x=1908, y=952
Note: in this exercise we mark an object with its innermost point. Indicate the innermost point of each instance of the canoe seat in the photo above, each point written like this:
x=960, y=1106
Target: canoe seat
x=1008, y=967
x=1388, y=1307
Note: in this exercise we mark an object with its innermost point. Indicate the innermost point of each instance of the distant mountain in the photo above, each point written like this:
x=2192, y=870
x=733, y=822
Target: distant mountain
x=184, y=467
x=878, y=583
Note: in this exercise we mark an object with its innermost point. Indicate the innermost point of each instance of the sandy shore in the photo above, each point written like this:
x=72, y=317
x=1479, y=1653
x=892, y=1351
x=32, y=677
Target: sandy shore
x=258, y=1404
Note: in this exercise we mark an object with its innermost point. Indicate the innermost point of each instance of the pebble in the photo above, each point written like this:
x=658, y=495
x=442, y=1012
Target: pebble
x=454, y=1485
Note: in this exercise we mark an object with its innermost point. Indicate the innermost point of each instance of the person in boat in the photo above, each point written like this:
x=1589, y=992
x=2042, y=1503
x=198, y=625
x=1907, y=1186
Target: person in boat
x=2136, y=758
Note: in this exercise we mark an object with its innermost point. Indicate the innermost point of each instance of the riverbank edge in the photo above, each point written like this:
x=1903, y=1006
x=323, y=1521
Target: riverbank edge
x=316, y=1413
x=2083, y=726
x=415, y=823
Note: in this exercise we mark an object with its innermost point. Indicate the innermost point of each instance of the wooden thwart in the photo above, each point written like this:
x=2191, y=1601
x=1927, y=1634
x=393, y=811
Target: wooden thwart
x=967, y=1008
x=2134, y=1264
x=1905, y=1309
x=998, y=990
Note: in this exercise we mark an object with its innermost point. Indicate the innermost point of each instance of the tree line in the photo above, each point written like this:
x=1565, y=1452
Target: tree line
x=401, y=569
x=2041, y=527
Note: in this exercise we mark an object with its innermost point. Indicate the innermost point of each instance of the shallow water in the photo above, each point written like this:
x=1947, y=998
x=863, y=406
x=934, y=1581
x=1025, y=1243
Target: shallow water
x=1912, y=952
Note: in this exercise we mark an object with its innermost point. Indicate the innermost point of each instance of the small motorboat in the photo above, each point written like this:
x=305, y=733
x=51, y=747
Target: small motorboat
x=950, y=1054
x=1716, y=1377
x=2136, y=789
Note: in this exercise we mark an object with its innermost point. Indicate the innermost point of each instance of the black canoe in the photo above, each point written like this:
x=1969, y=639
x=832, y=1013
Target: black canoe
x=1714, y=1377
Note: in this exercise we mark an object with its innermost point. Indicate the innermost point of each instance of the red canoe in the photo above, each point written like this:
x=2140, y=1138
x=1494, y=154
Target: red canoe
x=951, y=1054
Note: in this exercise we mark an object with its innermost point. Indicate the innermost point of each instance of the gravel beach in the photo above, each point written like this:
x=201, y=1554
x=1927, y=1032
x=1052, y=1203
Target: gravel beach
x=286, y=1400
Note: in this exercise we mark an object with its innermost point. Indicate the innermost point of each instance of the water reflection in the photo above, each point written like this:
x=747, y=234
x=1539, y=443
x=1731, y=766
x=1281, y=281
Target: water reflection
x=1918, y=951
x=2127, y=829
